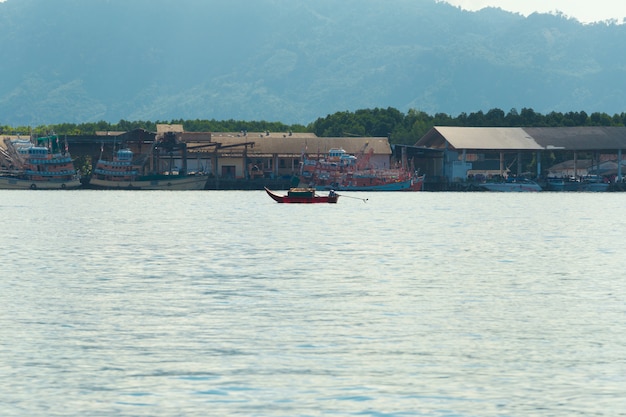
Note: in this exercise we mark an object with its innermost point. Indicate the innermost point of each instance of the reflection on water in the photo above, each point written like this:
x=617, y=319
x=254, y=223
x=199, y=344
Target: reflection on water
x=226, y=303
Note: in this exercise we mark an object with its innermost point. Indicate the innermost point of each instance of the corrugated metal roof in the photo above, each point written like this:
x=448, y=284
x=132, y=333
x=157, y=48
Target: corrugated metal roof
x=283, y=143
x=580, y=138
x=164, y=128
x=110, y=132
x=571, y=164
x=498, y=138
x=587, y=138
x=11, y=137
x=196, y=137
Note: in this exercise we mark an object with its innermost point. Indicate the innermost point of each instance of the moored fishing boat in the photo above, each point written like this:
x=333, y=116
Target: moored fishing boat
x=42, y=165
x=152, y=169
x=303, y=195
x=378, y=181
x=583, y=184
x=123, y=173
x=342, y=172
x=514, y=185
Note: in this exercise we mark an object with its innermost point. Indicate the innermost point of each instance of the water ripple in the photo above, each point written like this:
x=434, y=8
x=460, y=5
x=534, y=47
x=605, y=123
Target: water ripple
x=225, y=303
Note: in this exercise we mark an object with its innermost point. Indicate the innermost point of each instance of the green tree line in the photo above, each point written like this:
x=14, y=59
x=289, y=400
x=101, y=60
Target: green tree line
x=401, y=128
x=410, y=127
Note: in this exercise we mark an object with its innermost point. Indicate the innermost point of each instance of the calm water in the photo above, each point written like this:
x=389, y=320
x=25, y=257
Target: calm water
x=226, y=303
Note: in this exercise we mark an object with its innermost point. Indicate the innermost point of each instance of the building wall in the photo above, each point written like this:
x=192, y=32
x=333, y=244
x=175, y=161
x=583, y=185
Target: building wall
x=230, y=167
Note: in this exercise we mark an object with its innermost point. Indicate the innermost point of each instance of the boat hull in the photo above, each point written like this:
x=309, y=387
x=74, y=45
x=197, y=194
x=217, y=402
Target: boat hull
x=10, y=183
x=193, y=182
x=588, y=186
x=407, y=185
x=38, y=164
x=342, y=172
x=594, y=187
x=512, y=187
x=301, y=200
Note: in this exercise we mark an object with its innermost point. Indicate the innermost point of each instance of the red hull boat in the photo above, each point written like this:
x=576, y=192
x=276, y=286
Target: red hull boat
x=303, y=195
x=340, y=171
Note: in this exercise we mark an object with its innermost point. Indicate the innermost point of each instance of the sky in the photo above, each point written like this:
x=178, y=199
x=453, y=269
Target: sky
x=586, y=11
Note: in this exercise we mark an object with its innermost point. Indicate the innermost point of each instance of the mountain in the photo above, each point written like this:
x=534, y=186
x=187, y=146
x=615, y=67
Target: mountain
x=295, y=60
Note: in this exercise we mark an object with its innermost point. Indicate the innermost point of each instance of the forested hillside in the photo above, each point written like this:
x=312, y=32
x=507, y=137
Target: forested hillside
x=295, y=61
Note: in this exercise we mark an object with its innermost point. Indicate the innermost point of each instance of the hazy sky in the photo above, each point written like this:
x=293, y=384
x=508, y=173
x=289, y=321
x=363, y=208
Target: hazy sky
x=585, y=11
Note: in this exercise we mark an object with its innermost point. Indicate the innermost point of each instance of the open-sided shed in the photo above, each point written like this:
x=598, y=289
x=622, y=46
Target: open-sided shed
x=463, y=145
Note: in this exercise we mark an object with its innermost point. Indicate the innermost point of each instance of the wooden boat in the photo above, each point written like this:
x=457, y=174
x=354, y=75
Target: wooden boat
x=45, y=165
x=123, y=173
x=153, y=169
x=513, y=185
x=374, y=182
x=303, y=195
x=581, y=184
x=342, y=172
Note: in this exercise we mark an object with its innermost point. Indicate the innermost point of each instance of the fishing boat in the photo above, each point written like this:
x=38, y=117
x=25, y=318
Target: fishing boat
x=151, y=170
x=43, y=164
x=512, y=185
x=374, y=181
x=123, y=173
x=588, y=183
x=340, y=171
x=303, y=195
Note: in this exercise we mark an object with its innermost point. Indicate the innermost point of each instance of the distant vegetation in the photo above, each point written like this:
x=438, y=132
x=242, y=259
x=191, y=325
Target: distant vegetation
x=125, y=126
x=401, y=128
x=410, y=127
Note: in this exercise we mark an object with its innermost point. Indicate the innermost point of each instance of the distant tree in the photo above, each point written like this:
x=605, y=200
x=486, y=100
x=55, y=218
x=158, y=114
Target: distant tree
x=513, y=118
x=443, y=119
x=600, y=119
x=476, y=119
x=495, y=117
x=389, y=122
x=618, y=119
x=419, y=123
x=530, y=118
x=575, y=118
x=554, y=119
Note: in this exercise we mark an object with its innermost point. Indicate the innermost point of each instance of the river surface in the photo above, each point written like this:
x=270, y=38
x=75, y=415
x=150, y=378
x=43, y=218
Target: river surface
x=125, y=303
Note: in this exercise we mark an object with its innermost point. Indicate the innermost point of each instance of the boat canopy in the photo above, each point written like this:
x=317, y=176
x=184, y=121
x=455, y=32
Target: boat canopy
x=124, y=155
